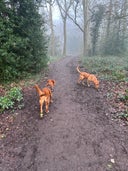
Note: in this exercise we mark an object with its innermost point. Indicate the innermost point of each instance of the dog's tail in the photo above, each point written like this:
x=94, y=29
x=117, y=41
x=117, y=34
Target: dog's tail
x=78, y=69
x=38, y=89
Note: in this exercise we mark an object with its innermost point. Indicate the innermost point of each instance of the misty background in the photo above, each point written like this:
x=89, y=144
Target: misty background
x=74, y=41
x=84, y=27
x=34, y=31
x=74, y=35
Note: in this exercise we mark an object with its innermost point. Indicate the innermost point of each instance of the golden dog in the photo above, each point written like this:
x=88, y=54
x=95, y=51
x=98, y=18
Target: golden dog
x=51, y=83
x=89, y=77
x=45, y=97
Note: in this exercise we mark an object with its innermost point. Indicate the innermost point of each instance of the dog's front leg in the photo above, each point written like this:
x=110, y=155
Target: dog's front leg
x=79, y=81
x=51, y=100
x=47, y=106
x=88, y=83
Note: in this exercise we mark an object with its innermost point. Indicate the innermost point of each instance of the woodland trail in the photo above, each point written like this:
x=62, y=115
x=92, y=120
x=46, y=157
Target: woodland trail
x=77, y=134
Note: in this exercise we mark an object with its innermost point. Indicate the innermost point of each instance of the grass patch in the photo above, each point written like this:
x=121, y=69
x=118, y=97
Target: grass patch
x=54, y=58
x=108, y=67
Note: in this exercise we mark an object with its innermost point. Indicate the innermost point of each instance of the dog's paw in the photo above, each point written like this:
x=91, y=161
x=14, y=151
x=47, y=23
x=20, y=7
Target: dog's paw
x=47, y=111
x=41, y=115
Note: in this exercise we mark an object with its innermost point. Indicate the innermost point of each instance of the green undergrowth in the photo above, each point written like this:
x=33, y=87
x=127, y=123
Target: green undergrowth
x=13, y=90
x=108, y=67
x=12, y=97
x=114, y=70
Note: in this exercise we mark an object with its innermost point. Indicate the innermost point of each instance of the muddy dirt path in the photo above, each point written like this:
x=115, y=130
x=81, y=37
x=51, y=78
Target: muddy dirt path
x=77, y=134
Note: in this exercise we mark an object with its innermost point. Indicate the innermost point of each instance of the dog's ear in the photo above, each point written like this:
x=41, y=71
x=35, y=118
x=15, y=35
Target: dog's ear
x=53, y=81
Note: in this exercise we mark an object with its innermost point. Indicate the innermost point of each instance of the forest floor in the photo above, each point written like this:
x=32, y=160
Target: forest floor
x=78, y=134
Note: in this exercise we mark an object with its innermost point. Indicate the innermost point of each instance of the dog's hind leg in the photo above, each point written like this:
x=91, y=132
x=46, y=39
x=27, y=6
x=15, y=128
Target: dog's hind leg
x=41, y=108
x=83, y=82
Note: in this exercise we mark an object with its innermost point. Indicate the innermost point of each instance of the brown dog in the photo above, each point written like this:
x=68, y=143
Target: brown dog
x=51, y=83
x=45, y=97
x=88, y=77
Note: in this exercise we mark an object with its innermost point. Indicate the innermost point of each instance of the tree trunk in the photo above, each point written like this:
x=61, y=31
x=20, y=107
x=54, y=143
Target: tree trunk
x=125, y=21
x=52, y=32
x=65, y=36
x=86, y=29
x=109, y=19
